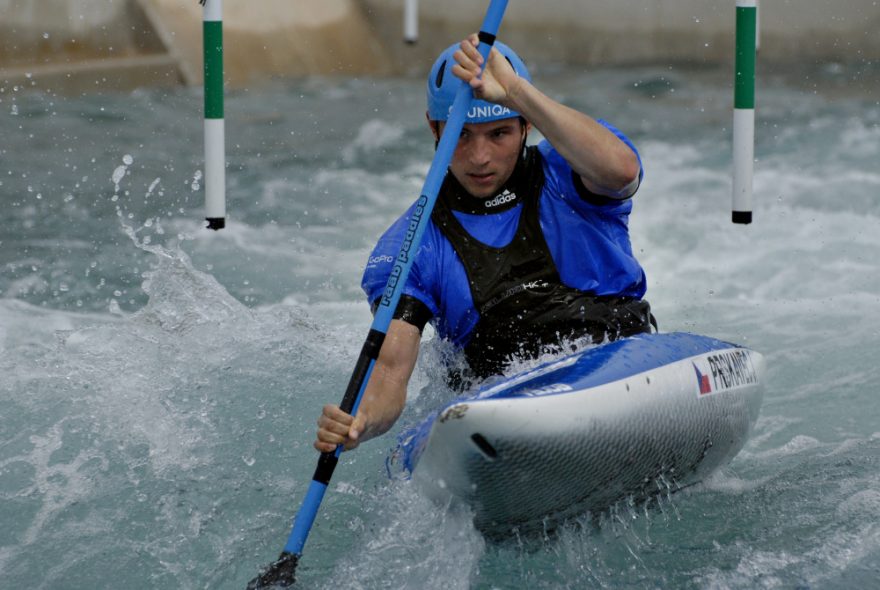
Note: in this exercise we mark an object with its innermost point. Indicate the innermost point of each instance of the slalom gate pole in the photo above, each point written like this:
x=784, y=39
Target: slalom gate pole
x=215, y=130
x=411, y=21
x=744, y=110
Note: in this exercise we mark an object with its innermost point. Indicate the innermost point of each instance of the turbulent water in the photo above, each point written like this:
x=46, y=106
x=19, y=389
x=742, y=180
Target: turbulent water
x=159, y=382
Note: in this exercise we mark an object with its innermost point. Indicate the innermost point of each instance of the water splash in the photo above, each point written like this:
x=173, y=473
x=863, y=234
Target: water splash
x=411, y=543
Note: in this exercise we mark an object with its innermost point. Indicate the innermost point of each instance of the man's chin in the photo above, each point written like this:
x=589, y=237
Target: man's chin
x=481, y=191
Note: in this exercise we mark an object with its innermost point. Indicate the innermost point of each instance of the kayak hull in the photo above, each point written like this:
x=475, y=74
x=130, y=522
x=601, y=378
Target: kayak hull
x=626, y=420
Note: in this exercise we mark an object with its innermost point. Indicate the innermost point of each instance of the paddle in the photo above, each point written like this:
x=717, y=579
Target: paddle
x=282, y=572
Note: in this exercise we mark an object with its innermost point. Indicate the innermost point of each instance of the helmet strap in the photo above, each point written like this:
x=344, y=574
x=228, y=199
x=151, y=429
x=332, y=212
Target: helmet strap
x=435, y=125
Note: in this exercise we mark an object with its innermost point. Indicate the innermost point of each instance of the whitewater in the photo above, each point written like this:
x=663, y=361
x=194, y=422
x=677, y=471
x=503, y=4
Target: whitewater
x=160, y=382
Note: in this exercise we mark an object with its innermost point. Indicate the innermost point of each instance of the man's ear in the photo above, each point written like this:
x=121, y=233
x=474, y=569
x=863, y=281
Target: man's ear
x=526, y=127
x=435, y=127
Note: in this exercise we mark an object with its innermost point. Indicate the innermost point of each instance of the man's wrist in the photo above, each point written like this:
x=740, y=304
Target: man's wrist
x=515, y=95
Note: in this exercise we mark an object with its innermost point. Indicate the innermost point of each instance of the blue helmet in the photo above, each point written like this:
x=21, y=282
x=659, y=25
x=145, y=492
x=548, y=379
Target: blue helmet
x=442, y=86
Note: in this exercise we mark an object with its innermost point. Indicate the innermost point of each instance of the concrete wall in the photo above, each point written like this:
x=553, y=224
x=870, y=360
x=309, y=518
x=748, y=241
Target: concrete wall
x=78, y=45
x=636, y=31
x=87, y=45
x=34, y=32
x=268, y=38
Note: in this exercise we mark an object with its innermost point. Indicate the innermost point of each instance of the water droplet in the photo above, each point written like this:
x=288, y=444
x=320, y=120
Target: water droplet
x=249, y=461
x=127, y=160
x=45, y=35
x=118, y=174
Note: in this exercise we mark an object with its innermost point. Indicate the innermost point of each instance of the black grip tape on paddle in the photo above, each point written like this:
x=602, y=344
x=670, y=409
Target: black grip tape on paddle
x=369, y=353
x=326, y=465
x=487, y=38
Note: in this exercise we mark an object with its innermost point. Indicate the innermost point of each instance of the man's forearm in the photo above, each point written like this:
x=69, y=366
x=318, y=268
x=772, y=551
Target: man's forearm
x=604, y=162
x=385, y=395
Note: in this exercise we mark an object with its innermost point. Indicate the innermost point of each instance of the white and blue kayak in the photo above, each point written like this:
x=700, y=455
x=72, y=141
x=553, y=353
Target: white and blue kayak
x=619, y=421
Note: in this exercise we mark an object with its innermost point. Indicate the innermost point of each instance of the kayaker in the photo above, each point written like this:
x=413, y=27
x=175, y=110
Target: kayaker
x=528, y=246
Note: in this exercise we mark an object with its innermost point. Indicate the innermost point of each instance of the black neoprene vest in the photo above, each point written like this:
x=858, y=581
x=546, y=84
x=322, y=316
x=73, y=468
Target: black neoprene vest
x=517, y=290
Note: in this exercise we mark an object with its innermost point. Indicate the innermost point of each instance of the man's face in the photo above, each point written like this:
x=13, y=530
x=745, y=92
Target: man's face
x=486, y=155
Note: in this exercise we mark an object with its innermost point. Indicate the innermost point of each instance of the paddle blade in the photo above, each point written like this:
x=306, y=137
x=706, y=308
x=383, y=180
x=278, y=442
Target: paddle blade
x=278, y=574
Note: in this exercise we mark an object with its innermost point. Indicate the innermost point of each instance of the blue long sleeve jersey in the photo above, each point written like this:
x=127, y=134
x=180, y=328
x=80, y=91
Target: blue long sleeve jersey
x=588, y=238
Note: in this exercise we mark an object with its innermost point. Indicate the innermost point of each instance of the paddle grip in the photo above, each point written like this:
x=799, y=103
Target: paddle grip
x=369, y=354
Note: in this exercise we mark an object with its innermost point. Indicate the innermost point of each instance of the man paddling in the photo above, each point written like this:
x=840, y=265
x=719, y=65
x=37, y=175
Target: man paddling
x=527, y=246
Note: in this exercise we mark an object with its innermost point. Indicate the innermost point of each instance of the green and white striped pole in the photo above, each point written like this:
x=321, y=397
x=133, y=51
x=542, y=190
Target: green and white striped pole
x=215, y=129
x=744, y=110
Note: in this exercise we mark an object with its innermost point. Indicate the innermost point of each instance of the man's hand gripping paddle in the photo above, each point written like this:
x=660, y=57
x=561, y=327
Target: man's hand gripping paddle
x=282, y=572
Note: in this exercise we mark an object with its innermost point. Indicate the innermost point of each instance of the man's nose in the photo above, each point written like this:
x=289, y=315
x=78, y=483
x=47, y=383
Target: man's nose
x=480, y=153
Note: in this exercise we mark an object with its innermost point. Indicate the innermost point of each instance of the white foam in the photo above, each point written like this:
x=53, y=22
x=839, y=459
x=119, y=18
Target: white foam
x=727, y=482
x=373, y=135
x=412, y=543
x=57, y=484
x=765, y=566
x=864, y=504
x=799, y=444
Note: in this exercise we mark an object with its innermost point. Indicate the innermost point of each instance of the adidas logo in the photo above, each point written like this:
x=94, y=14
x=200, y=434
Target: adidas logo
x=501, y=199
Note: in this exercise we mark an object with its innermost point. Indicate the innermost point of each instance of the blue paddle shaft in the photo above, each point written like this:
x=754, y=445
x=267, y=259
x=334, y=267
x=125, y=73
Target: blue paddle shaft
x=418, y=221
x=396, y=280
x=305, y=517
